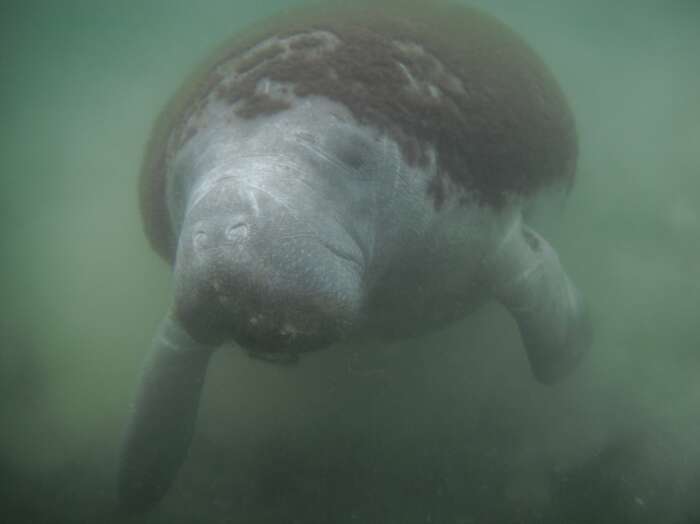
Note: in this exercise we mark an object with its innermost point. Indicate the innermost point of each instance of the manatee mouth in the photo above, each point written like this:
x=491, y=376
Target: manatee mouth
x=355, y=261
x=305, y=298
x=275, y=341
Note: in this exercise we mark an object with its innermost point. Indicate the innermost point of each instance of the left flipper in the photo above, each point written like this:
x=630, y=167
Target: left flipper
x=553, y=319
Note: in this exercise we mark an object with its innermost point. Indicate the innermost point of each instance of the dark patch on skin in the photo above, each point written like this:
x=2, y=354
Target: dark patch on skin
x=266, y=53
x=436, y=190
x=305, y=42
x=531, y=240
x=190, y=132
x=153, y=203
x=262, y=104
x=508, y=131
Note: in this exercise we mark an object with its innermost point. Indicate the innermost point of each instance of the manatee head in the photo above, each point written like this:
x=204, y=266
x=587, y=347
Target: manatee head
x=276, y=230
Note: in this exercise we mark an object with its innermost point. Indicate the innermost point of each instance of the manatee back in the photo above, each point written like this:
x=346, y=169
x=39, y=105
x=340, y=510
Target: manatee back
x=442, y=80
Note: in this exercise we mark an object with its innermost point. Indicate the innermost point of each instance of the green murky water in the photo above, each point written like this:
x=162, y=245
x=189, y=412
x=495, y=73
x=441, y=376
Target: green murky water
x=448, y=429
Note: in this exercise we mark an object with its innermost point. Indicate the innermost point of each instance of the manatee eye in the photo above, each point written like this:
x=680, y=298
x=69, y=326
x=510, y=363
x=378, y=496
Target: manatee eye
x=354, y=151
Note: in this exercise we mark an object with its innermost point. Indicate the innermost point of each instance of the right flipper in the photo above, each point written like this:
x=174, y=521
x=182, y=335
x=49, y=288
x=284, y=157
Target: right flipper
x=160, y=429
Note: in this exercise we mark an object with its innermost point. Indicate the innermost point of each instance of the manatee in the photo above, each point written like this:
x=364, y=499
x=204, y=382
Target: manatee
x=346, y=173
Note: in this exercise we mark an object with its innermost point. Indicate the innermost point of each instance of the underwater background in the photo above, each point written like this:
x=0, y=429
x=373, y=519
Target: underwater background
x=450, y=428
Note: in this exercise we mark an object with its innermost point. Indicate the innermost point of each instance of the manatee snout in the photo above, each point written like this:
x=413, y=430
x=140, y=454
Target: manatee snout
x=251, y=270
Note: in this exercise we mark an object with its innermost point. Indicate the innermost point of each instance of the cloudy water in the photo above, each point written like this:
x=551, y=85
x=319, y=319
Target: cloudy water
x=450, y=428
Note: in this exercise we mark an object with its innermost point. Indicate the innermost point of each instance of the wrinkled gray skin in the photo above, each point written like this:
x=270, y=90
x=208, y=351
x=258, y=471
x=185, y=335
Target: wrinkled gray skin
x=302, y=228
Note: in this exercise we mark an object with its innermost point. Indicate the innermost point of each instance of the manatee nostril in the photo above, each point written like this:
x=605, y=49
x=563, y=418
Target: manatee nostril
x=237, y=231
x=200, y=240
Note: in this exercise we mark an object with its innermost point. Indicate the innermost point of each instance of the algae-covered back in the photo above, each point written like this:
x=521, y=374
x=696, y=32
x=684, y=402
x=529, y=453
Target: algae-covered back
x=440, y=79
